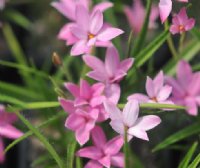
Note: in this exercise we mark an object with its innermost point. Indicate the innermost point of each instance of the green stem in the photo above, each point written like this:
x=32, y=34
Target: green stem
x=181, y=40
x=126, y=149
x=171, y=43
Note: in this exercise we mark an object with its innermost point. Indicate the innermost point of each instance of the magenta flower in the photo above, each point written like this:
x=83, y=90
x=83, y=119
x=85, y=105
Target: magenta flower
x=90, y=30
x=103, y=153
x=165, y=8
x=7, y=130
x=128, y=118
x=111, y=72
x=136, y=16
x=186, y=88
x=156, y=90
x=82, y=123
x=181, y=22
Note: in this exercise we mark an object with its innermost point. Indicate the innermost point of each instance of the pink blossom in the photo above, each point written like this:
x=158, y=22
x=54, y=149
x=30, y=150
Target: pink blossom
x=111, y=72
x=156, y=90
x=186, y=88
x=90, y=30
x=82, y=123
x=2, y=4
x=181, y=22
x=7, y=130
x=136, y=16
x=104, y=153
x=128, y=119
x=165, y=8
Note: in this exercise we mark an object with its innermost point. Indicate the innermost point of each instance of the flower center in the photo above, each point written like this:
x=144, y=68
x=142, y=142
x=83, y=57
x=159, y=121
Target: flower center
x=154, y=99
x=90, y=36
x=181, y=28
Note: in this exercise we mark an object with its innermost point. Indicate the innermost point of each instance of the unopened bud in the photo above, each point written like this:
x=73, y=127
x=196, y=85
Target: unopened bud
x=56, y=59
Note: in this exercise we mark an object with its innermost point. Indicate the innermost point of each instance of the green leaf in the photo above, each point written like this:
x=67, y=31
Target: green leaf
x=29, y=133
x=180, y=135
x=188, y=53
x=157, y=106
x=148, y=51
x=185, y=162
x=42, y=139
x=141, y=39
x=17, y=18
x=196, y=162
x=71, y=149
x=78, y=162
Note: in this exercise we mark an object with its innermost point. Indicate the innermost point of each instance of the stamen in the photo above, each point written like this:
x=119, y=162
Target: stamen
x=90, y=36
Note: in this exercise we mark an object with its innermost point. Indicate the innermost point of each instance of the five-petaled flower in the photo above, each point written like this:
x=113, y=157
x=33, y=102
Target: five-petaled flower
x=181, y=23
x=128, y=120
x=186, y=88
x=104, y=153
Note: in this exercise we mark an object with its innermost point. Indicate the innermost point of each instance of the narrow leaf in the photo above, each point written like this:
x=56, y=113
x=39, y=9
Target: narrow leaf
x=196, y=162
x=71, y=148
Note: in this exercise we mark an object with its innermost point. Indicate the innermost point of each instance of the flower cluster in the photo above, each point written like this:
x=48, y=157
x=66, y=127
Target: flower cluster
x=91, y=105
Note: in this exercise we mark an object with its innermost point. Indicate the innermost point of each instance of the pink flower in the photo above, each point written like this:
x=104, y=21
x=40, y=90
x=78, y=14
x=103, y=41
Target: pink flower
x=2, y=4
x=128, y=119
x=103, y=153
x=156, y=90
x=7, y=130
x=165, y=8
x=90, y=30
x=136, y=16
x=186, y=88
x=181, y=22
x=111, y=72
x=82, y=123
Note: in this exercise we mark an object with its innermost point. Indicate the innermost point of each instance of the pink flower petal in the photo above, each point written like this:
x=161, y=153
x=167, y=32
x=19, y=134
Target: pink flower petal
x=190, y=24
x=93, y=164
x=126, y=64
x=165, y=7
x=96, y=75
x=109, y=33
x=194, y=87
x=130, y=113
x=174, y=29
x=82, y=135
x=79, y=48
x=78, y=32
x=75, y=121
x=141, y=98
x=97, y=89
x=113, y=111
x=147, y=122
x=158, y=82
x=112, y=92
x=139, y=133
x=118, y=160
x=105, y=161
x=150, y=88
x=191, y=105
x=10, y=131
x=164, y=93
x=96, y=22
x=113, y=146
x=2, y=155
x=73, y=89
x=102, y=6
x=118, y=126
x=85, y=89
x=98, y=137
x=90, y=152
x=67, y=105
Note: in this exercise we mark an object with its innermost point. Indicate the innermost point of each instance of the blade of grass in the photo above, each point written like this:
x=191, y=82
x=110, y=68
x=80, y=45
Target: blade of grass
x=71, y=148
x=180, y=135
x=196, y=162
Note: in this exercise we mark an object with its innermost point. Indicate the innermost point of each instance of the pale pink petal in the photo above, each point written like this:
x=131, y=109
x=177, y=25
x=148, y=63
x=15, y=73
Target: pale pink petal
x=147, y=122
x=139, y=133
x=118, y=126
x=67, y=105
x=191, y=105
x=73, y=89
x=119, y=75
x=150, y=88
x=112, y=92
x=164, y=93
x=118, y=160
x=158, y=82
x=97, y=89
x=109, y=33
x=184, y=73
x=91, y=152
x=174, y=29
x=91, y=42
x=105, y=161
x=112, y=61
x=94, y=63
x=75, y=121
x=2, y=155
x=96, y=75
x=80, y=102
x=113, y=146
x=141, y=98
x=93, y=164
x=85, y=89
x=130, y=113
x=79, y=48
x=102, y=6
x=98, y=137
x=82, y=17
x=112, y=110
x=126, y=64
x=82, y=135
x=190, y=24
x=165, y=7
x=78, y=32
x=182, y=16
x=96, y=22
x=95, y=101
x=194, y=87
x=10, y=131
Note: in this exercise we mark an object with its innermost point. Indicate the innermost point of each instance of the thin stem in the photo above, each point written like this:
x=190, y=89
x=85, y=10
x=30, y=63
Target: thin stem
x=170, y=43
x=181, y=40
x=126, y=149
